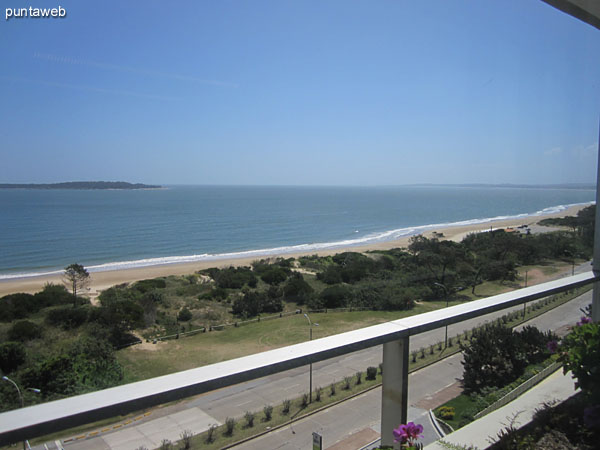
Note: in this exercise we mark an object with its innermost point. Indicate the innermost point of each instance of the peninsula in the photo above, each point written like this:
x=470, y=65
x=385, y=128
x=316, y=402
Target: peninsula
x=82, y=185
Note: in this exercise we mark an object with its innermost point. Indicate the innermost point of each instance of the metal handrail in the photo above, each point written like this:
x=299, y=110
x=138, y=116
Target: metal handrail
x=59, y=415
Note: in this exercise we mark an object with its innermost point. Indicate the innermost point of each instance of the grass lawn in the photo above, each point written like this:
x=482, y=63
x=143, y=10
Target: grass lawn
x=152, y=360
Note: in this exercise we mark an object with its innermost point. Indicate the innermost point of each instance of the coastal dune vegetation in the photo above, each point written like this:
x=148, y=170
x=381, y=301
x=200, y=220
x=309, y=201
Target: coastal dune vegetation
x=64, y=347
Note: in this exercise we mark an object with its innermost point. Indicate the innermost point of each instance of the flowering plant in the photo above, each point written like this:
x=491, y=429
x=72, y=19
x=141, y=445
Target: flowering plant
x=408, y=434
x=580, y=353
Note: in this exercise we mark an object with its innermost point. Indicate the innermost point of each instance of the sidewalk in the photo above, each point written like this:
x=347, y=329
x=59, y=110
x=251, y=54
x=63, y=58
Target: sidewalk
x=480, y=433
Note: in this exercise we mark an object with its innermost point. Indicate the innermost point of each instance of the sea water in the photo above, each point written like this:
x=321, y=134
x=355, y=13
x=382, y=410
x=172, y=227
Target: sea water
x=42, y=231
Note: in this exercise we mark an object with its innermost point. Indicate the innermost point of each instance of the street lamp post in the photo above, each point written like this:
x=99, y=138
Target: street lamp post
x=310, y=374
x=37, y=391
x=446, y=296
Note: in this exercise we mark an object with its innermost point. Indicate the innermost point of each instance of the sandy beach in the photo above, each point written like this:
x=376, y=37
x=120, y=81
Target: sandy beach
x=104, y=280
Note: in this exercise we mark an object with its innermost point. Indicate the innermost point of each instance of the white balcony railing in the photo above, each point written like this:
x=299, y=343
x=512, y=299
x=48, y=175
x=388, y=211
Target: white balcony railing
x=60, y=415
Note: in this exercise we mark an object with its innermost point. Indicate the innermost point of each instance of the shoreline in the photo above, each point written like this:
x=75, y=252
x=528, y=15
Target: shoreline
x=101, y=280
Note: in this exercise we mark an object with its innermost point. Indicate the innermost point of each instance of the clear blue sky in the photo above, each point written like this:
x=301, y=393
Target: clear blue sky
x=299, y=92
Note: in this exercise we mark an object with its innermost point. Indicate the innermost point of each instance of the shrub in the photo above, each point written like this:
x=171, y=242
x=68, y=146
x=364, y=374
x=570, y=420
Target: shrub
x=580, y=354
x=249, y=417
x=296, y=289
x=274, y=276
x=184, y=315
x=318, y=392
x=235, y=277
x=217, y=293
x=165, y=445
x=335, y=296
x=497, y=355
x=268, y=412
x=381, y=368
x=24, y=330
x=286, y=406
x=347, y=382
x=53, y=295
x=229, y=426
x=446, y=413
x=67, y=317
x=144, y=286
x=17, y=306
x=371, y=373
x=332, y=388
x=186, y=439
x=358, y=378
x=210, y=433
x=12, y=355
x=304, y=401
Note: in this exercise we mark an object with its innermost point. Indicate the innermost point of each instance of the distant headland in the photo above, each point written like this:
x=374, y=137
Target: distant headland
x=82, y=185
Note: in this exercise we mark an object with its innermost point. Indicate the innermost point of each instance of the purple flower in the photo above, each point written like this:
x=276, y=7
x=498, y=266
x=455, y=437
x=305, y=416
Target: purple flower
x=408, y=433
x=584, y=320
x=552, y=346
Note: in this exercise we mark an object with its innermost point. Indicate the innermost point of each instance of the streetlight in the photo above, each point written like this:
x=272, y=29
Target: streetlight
x=310, y=376
x=37, y=391
x=446, y=296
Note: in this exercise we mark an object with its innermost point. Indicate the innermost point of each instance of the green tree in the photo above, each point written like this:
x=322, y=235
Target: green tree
x=76, y=277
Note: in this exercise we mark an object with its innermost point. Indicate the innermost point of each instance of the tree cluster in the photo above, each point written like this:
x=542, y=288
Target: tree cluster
x=497, y=355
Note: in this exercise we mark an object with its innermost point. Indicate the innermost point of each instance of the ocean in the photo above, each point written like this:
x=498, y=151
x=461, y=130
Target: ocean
x=42, y=231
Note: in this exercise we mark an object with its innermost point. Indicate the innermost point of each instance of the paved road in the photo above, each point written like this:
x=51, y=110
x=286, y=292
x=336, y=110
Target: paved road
x=213, y=408
x=337, y=423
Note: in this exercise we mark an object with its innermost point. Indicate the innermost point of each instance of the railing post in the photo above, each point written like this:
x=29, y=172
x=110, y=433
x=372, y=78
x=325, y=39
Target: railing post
x=394, y=391
x=596, y=260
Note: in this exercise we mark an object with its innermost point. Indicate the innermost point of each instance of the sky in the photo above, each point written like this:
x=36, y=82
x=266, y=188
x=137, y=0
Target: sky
x=289, y=92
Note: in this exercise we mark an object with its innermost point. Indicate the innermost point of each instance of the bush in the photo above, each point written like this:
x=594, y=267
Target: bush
x=580, y=354
x=274, y=275
x=286, y=406
x=249, y=417
x=304, y=401
x=217, y=293
x=249, y=305
x=371, y=373
x=144, y=286
x=347, y=383
x=358, y=378
x=186, y=439
x=268, y=412
x=185, y=315
x=497, y=356
x=67, y=317
x=234, y=277
x=53, y=295
x=318, y=393
x=331, y=275
x=332, y=388
x=12, y=355
x=336, y=296
x=229, y=426
x=17, y=306
x=446, y=413
x=296, y=289
x=210, y=434
x=23, y=331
